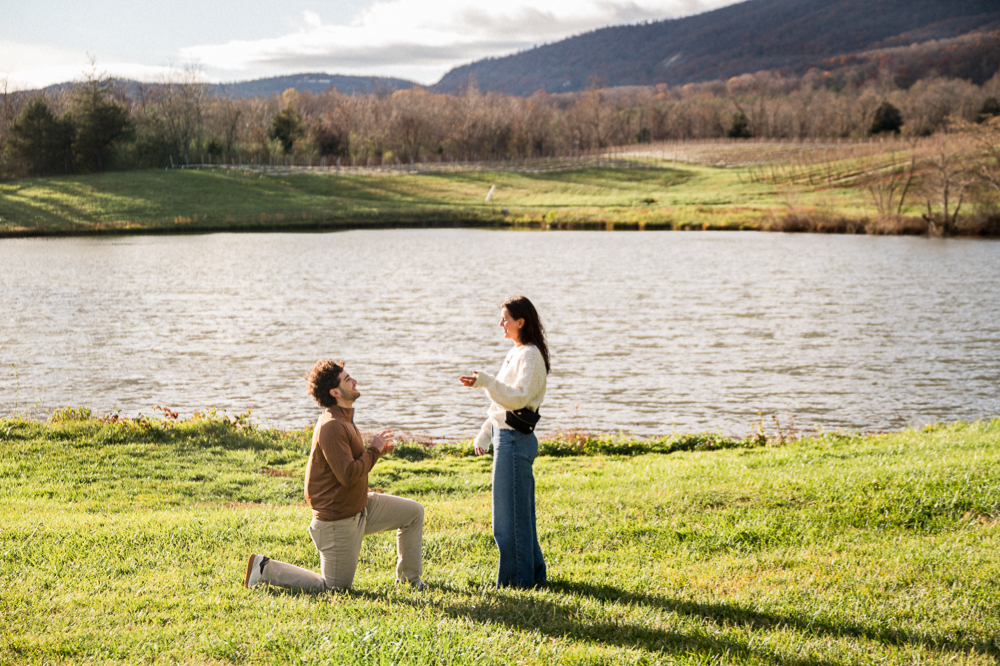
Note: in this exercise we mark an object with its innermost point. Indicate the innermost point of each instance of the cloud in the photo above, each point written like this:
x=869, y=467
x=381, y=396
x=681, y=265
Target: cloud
x=33, y=66
x=423, y=39
x=534, y=23
x=23, y=65
x=384, y=56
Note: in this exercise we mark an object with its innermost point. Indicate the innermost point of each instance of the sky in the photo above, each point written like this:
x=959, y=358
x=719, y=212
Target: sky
x=52, y=41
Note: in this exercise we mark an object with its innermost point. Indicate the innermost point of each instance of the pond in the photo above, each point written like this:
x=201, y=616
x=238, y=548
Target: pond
x=650, y=332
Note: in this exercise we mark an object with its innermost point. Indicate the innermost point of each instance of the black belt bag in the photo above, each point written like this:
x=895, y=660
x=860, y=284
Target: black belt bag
x=522, y=420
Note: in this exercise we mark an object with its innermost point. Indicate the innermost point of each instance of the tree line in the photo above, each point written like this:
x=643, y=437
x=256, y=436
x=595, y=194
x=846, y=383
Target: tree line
x=99, y=123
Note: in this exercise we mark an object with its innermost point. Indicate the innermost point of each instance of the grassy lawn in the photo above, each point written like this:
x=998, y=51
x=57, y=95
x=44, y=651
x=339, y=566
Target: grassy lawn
x=127, y=543
x=685, y=196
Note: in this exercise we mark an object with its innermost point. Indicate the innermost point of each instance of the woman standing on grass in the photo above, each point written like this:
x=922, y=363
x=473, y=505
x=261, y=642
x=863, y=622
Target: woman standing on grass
x=516, y=393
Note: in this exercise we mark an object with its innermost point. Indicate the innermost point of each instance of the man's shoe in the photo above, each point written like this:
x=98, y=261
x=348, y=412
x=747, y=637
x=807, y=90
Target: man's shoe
x=255, y=570
x=416, y=585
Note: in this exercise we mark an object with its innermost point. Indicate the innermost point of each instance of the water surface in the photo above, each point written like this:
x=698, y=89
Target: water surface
x=650, y=332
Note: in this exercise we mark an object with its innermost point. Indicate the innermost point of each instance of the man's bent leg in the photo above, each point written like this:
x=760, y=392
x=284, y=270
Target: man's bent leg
x=339, y=545
x=283, y=574
x=387, y=512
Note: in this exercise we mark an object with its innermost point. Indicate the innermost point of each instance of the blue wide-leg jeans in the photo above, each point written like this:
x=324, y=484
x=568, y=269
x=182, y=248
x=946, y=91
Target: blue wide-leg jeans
x=521, y=561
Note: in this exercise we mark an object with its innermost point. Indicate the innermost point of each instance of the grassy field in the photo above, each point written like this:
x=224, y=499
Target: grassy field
x=671, y=196
x=126, y=543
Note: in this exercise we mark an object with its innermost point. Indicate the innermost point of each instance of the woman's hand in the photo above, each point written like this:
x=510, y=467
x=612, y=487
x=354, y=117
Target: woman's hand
x=469, y=380
x=480, y=451
x=383, y=441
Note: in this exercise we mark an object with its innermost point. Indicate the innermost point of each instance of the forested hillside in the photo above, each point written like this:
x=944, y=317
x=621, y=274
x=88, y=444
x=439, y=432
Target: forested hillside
x=956, y=38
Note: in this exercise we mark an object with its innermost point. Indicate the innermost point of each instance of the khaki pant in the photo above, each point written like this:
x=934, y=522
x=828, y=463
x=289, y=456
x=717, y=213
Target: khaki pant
x=339, y=545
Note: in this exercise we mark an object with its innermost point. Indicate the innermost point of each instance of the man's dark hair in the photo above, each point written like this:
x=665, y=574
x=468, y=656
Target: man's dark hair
x=322, y=378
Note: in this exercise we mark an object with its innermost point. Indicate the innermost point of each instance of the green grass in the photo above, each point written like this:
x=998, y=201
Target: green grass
x=126, y=543
x=689, y=196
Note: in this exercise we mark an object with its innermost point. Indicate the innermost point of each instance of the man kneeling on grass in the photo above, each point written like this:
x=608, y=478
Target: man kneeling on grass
x=344, y=511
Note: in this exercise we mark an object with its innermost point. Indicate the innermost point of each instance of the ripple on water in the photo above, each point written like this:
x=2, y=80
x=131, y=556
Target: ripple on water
x=650, y=332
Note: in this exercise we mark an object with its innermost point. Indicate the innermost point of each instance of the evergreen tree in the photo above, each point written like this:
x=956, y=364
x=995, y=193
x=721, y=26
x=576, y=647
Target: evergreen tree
x=100, y=123
x=330, y=140
x=286, y=128
x=991, y=109
x=40, y=144
x=887, y=119
x=740, y=129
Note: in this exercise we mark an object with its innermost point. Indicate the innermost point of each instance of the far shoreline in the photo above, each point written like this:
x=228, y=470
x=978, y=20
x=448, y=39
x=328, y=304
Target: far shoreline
x=656, y=197
x=816, y=228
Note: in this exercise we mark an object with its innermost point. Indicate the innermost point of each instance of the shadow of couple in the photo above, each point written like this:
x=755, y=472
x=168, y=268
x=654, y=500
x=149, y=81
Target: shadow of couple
x=560, y=614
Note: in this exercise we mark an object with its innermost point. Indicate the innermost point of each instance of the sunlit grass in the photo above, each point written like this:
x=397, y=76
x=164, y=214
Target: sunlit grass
x=688, y=196
x=126, y=542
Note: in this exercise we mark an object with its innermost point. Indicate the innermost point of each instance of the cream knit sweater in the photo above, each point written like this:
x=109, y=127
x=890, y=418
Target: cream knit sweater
x=520, y=383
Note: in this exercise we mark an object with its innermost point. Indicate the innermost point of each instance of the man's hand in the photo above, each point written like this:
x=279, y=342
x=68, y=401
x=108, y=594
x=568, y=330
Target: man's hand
x=468, y=380
x=383, y=441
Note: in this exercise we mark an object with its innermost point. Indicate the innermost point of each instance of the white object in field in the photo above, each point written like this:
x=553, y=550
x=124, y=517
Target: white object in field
x=490, y=194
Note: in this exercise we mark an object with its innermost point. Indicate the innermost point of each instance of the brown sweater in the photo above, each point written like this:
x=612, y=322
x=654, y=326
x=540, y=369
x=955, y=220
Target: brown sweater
x=337, y=472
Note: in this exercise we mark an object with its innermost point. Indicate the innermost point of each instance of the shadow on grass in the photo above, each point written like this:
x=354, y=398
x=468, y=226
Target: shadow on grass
x=604, y=177
x=551, y=182
x=563, y=620
x=353, y=193
x=551, y=618
x=732, y=614
x=186, y=202
x=20, y=210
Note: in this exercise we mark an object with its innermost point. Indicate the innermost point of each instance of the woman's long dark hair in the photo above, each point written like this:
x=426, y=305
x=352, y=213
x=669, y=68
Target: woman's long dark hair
x=532, y=333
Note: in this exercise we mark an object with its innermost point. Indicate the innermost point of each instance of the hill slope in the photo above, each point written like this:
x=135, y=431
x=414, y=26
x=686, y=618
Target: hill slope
x=315, y=82
x=788, y=35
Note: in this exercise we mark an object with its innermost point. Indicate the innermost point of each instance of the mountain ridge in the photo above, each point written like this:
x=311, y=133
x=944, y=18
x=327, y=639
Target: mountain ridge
x=914, y=38
x=789, y=35
x=314, y=82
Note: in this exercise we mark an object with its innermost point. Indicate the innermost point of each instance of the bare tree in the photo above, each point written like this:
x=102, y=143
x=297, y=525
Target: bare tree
x=222, y=120
x=986, y=162
x=946, y=183
x=889, y=181
x=661, y=109
x=180, y=105
x=588, y=115
x=929, y=104
x=6, y=111
x=537, y=133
